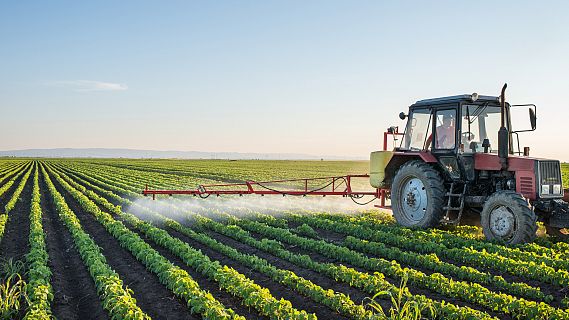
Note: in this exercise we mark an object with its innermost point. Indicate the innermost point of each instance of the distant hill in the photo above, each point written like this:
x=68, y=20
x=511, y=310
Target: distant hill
x=153, y=154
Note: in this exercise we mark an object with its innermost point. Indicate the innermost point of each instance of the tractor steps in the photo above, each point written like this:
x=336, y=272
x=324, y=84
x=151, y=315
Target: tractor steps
x=459, y=197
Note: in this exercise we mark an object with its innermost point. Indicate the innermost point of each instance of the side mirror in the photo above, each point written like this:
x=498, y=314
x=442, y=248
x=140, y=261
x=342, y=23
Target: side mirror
x=402, y=116
x=532, y=118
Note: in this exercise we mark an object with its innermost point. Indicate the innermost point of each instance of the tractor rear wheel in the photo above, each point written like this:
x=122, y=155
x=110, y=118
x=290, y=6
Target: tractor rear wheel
x=508, y=217
x=417, y=195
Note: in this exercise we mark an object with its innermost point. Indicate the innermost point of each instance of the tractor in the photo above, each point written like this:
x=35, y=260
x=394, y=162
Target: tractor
x=457, y=161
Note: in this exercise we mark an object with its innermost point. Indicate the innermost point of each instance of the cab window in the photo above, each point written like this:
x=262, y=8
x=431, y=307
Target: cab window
x=445, y=133
x=480, y=122
x=418, y=129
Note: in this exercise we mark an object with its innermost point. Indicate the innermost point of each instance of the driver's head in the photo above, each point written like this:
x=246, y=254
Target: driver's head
x=448, y=120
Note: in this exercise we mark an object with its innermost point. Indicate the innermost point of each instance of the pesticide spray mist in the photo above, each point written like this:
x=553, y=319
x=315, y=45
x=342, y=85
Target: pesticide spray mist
x=277, y=206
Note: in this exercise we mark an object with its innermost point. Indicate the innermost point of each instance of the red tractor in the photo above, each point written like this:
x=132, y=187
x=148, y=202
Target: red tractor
x=458, y=158
x=456, y=161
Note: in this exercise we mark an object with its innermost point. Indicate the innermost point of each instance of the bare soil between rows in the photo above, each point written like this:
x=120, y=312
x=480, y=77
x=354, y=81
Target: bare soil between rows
x=14, y=244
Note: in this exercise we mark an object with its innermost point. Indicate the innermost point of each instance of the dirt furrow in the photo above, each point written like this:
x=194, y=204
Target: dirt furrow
x=14, y=243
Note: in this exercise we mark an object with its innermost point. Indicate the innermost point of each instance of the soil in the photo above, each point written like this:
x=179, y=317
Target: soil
x=14, y=244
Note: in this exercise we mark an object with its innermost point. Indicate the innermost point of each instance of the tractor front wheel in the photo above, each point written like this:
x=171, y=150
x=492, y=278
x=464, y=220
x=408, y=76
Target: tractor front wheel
x=417, y=195
x=508, y=217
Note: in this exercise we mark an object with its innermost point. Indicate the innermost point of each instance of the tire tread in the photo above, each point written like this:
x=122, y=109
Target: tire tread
x=528, y=227
x=435, y=181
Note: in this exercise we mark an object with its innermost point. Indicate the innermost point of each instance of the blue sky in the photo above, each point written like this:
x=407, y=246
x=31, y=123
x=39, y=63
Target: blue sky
x=318, y=77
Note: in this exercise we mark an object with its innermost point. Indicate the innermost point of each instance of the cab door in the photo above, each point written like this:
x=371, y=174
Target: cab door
x=445, y=140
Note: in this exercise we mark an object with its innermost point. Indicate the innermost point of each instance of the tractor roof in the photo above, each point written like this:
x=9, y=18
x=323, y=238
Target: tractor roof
x=459, y=98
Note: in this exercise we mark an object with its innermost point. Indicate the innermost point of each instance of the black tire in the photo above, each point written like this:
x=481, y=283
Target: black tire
x=519, y=225
x=430, y=210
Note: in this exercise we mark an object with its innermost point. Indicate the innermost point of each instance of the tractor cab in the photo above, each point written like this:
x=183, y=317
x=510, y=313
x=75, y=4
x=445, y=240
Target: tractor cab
x=454, y=129
x=453, y=124
x=461, y=155
x=464, y=124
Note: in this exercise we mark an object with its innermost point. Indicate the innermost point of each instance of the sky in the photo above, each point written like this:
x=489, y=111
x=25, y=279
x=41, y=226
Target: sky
x=316, y=77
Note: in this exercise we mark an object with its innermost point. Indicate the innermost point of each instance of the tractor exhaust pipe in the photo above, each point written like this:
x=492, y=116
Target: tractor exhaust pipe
x=503, y=139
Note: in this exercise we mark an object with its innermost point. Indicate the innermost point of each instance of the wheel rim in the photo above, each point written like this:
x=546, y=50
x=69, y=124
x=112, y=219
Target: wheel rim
x=502, y=222
x=413, y=200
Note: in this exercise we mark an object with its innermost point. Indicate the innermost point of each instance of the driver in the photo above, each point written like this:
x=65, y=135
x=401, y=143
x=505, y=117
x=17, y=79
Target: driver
x=446, y=133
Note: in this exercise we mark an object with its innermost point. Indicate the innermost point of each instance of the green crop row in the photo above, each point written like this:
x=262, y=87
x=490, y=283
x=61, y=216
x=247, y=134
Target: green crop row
x=430, y=261
x=230, y=280
x=471, y=292
x=451, y=240
x=336, y=272
x=370, y=283
x=116, y=299
x=20, y=171
x=466, y=254
x=16, y=195
x=175, y=278
x=337, y=302
x=39, y=288
x=3, y=220
x=9, y=169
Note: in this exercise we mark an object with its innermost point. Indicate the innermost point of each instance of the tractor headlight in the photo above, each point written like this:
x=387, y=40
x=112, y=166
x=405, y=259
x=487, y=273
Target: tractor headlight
x=545, y=189
x=556, y=189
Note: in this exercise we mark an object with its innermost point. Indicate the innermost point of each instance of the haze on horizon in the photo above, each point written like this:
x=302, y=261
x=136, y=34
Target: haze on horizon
x=318, y=77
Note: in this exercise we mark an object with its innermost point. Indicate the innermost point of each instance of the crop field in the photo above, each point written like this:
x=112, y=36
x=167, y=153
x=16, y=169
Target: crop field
x=79, y=241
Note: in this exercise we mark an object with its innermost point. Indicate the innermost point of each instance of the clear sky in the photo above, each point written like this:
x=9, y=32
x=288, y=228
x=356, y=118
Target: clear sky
x=318, y=77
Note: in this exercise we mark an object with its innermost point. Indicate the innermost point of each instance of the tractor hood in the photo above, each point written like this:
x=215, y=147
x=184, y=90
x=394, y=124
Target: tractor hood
x=536, y=178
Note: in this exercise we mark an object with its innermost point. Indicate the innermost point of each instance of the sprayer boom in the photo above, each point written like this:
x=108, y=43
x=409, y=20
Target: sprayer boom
x=328, y=186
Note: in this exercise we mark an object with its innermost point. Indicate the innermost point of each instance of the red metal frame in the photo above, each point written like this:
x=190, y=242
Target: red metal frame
x=394, y=133
x=330, y=186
